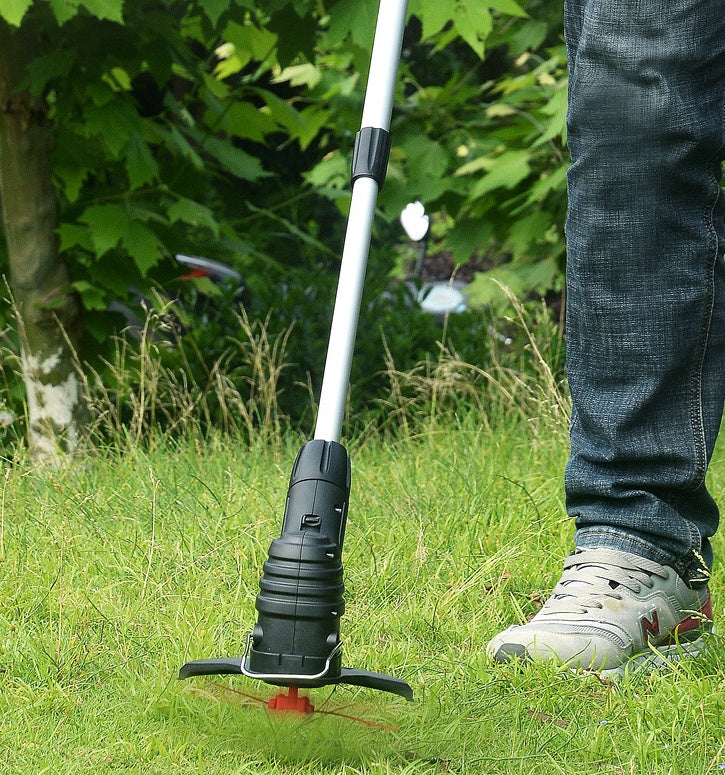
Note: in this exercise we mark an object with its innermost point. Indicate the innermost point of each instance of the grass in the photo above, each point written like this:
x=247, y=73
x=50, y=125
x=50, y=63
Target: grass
x=147, y=552
x=118, y=569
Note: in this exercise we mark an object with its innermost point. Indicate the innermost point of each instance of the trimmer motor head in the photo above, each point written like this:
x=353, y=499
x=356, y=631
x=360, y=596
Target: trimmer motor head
x=296, y=640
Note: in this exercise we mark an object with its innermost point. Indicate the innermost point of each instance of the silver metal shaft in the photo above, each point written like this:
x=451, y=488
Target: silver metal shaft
x=376, y=113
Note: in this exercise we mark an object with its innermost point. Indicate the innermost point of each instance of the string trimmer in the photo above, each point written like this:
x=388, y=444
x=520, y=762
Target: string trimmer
x=296, y=640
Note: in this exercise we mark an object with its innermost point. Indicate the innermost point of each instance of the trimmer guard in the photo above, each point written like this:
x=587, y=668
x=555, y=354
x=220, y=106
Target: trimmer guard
x=347, y=675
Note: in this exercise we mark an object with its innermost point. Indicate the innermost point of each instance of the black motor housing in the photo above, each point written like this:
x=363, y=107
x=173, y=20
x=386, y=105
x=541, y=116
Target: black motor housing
x=296, y=640
x=301, y=590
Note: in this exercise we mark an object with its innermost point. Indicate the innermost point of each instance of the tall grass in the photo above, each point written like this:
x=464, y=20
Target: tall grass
x=156, y=382
x=245, y=384
x=141, y=392
x=522, y=381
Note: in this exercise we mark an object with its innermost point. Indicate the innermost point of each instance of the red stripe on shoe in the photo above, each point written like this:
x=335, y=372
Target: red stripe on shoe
x=693, y=622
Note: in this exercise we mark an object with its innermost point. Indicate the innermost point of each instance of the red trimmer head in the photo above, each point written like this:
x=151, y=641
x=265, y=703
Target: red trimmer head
x=291, y=702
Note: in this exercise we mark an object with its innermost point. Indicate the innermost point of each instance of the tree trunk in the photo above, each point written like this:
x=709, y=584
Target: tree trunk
x=49, y=316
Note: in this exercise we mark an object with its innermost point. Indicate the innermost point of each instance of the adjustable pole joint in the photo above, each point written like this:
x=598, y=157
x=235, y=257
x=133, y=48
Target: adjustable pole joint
x=370, y=154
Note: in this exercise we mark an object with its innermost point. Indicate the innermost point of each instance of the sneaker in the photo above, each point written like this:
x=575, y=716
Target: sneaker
x=609, y=612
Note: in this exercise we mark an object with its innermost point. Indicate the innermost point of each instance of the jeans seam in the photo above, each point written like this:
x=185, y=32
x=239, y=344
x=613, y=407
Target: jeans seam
x=696, y=414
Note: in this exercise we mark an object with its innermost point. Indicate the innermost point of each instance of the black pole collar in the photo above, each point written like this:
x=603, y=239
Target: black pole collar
x=370, y=154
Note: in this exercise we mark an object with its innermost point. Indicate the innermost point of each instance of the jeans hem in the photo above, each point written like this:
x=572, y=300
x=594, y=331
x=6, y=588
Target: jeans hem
x=692, y=568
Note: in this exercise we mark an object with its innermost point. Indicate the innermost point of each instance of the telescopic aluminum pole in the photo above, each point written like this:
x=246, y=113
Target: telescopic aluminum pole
x=366, y=184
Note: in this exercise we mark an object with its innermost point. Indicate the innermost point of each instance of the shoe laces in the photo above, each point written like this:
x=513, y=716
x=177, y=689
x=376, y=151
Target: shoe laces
x=591, y=576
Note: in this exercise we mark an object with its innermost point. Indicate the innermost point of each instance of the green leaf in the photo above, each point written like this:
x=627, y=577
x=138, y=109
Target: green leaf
x=112, y=225
x=91, y=295
x=72, y=235
x=504, y=171
x=72, y=177
x=140, y=164
x=99, y=93
x=295, y=35
x=527, y=36
x=106, y=9
x=519, y=278
x=64, y=9
x=234, y=160
x=333, y=171
x=283, y=113
x=306, y=74
x=556, y=107
x=427, y=167
x=119, y=78
x=175, y=141
x=314, y=119
x=107, y=223
x=258, y=43
x=75, y=158
x=433, y=15
x=193, y=213
x=206, y=285
x=213, y=9
x=526, y=232
x=112, y=122
x=553, y=180
x=46, y=67
x=354, y=18
x=473, y=23
x=142, y=245
x=510, y=7
x=467, y=236
x=475, y=165
x=243, y=119
x=14, y=10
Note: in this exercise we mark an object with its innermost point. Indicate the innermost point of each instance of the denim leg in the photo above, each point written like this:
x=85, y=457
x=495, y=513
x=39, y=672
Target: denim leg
x=645, y=273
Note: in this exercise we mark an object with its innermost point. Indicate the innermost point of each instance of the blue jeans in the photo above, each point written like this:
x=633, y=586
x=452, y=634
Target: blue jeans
x=645, y=274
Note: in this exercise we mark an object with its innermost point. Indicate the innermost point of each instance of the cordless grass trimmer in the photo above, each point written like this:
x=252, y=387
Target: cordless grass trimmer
x=296, y=640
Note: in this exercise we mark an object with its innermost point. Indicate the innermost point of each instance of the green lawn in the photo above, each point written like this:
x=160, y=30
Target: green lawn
x=119, y=569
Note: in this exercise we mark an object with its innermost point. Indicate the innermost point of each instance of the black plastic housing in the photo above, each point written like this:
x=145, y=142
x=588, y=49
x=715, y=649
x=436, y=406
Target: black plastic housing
x=301, y=590
x=296, y=641
x=370, y=154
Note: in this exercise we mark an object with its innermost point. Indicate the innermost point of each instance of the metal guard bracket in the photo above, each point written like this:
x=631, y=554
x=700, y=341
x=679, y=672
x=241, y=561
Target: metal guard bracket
x=350, y=676
x=285, y=677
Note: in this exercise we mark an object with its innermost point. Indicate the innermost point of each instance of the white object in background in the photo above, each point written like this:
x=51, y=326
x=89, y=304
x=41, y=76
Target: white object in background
x=440, y=300
x=415, y=222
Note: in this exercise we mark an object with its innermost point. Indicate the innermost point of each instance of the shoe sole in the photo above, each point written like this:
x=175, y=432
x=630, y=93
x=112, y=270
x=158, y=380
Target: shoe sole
x=658, y=659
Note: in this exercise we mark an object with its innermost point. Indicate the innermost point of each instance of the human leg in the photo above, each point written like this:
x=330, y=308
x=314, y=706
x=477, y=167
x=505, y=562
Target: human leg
x=645, y=274
x=646, y=302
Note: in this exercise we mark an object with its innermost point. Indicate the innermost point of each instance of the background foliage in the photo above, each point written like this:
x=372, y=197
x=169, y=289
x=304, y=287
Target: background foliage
x=225, y=129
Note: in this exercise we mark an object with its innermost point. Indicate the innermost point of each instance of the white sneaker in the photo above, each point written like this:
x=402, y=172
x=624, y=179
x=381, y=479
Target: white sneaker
x=610, y=611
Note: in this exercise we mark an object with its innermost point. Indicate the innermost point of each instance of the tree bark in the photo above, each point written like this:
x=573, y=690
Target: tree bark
x=49, y=316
